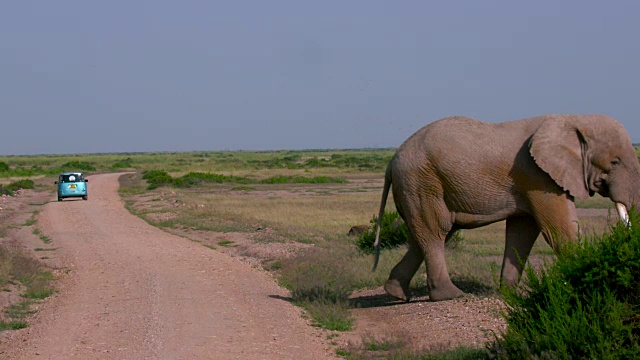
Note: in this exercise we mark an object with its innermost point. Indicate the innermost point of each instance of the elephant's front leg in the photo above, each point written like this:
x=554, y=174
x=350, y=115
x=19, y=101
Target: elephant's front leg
x=521, y=234
x=401, y=274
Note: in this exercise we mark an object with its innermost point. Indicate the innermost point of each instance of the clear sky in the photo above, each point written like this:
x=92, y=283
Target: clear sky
x=159, y=75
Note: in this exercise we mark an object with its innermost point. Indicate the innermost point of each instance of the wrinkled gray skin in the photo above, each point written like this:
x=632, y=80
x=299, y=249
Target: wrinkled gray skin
x=460, y=173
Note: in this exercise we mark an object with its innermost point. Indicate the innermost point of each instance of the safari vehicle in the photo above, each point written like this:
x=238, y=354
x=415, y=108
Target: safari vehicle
x=72, y=184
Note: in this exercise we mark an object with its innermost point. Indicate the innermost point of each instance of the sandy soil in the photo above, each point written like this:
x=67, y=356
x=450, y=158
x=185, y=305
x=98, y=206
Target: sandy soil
x=135, y=292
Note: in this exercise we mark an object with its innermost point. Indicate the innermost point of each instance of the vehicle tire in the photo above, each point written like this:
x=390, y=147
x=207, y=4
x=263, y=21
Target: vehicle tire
x=84, y=197
x=59, y=199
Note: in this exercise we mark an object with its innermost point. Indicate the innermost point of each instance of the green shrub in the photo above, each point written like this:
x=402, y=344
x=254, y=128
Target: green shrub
x=585, y=305
x=123, y=163
x=156, y=178
x=78, y=165
x=11, y=188
x=4, y=167
x=197, y=178
x=393, y=233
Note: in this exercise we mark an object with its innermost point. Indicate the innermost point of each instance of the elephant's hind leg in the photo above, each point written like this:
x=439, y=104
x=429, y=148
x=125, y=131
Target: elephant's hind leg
x=429, y=245
x=438, y=280
x=401, y=275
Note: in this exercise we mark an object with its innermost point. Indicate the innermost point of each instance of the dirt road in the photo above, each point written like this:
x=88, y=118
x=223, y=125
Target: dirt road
x=136, y=292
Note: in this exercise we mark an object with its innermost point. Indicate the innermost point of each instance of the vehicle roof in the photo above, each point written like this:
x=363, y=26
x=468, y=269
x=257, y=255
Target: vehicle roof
x=72, y=173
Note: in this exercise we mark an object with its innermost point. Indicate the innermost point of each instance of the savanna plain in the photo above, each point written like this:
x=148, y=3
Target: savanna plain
x=288, y=213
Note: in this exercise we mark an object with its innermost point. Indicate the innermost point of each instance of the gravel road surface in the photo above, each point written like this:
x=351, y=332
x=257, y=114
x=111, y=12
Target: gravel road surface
x=135, y=292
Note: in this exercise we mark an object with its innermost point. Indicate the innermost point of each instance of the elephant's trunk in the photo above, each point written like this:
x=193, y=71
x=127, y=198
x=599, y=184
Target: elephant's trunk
x=623, y=213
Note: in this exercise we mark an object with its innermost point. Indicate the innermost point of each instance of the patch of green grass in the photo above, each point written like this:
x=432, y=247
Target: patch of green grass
x=274, y=266
x=330, y=315
x=38, y=291
x=12, y=325
x=320, y=288
x=15, y=315
x=18, y=268
x=225, y=243
x=45, y=239
x=396, y=348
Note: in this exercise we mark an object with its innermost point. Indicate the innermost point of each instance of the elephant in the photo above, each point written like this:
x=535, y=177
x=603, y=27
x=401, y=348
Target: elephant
x=461, y=173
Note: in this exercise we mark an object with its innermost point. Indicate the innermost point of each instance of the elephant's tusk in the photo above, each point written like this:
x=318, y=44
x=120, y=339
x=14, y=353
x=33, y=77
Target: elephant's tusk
x=622, y=212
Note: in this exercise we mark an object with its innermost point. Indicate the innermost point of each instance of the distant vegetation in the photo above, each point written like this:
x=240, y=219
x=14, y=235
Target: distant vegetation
x=156, y=178
x=356, y=160
x=123, y=163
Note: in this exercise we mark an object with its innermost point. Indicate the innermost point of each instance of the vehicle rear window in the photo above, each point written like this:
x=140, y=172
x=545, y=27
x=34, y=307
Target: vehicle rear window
x=71, y=178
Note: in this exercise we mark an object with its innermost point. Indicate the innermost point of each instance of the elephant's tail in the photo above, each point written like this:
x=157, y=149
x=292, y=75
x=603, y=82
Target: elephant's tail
x=383, y=204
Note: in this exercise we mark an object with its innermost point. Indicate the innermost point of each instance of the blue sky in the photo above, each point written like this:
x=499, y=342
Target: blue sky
x=121, y=76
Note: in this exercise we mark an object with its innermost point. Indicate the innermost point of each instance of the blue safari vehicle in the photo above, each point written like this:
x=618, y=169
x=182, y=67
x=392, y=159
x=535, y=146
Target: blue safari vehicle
x=72, y=184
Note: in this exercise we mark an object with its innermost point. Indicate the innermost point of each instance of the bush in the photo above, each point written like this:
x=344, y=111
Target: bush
x=11, y=188
x=586, y=305
x=123, y=163
x=156, y=178
x=393, y=233
x=4, y=167
x=197, y=178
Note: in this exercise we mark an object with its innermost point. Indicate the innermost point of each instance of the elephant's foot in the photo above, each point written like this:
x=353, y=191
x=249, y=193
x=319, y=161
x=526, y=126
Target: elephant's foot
x=446, y=292
x=395, y=289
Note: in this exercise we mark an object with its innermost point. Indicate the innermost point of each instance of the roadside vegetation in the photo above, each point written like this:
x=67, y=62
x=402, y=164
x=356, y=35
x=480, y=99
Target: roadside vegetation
x=24, y=280
x=28, y=279
x=12, y=187
x=309, y=198
x=584, y=305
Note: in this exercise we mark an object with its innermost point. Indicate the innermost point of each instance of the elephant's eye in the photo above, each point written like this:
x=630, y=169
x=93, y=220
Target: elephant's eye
x=615, y=162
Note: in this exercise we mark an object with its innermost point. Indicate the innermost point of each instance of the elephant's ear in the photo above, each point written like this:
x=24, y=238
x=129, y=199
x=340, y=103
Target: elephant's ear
x=557, y=148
